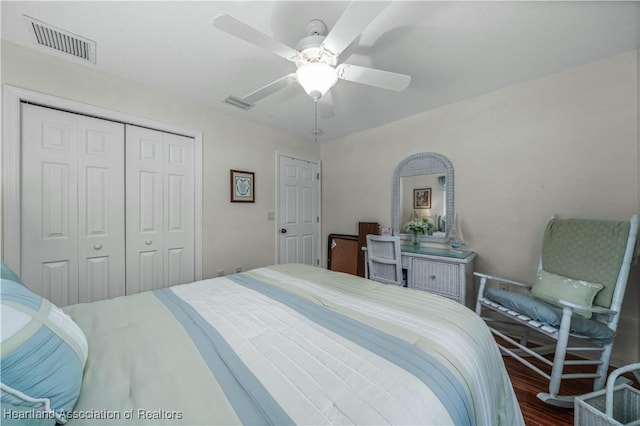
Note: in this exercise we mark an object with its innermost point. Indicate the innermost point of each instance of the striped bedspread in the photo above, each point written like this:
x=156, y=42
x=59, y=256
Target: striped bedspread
x=290, y=344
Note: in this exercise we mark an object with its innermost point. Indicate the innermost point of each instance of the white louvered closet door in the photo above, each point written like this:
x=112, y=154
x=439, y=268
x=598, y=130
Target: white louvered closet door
x=160, y=209
x=72, y=204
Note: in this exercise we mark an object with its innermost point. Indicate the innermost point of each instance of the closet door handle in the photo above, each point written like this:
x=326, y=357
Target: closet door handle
x=148, y=242
x=97, y=246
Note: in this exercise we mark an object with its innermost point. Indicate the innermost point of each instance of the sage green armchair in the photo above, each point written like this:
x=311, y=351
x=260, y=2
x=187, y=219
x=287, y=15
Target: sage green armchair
x=573, y=307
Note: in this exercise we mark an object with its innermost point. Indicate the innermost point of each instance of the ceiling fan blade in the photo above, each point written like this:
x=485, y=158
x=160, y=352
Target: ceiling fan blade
x=241, y=30
x=270, y=89
x=374, y=77
x=353, y=21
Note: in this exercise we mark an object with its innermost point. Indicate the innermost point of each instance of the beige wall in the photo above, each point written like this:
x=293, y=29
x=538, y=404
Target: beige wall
x=235, y=234
x=565, y=144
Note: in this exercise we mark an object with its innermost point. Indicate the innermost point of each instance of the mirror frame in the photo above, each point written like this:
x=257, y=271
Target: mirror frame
x=422, y=164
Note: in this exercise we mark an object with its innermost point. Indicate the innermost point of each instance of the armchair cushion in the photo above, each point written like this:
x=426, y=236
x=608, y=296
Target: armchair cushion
x=551, y=288
x=545, y=313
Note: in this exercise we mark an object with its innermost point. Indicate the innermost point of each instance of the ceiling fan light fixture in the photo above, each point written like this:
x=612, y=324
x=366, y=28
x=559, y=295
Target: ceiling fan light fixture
x=316, y=78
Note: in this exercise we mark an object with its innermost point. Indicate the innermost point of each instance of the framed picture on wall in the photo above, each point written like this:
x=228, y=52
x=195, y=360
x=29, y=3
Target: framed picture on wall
x=242, y=187
x=422, y=198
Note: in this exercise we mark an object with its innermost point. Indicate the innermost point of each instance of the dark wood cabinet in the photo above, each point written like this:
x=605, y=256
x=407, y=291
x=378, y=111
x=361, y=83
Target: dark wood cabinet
x=345, y=252
x=365, y=228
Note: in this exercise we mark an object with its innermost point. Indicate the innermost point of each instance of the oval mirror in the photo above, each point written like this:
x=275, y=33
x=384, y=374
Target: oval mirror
x=423, y=188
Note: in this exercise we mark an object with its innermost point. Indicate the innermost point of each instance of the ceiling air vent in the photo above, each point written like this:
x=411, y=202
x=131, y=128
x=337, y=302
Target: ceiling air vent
x=238, y=103
x=61, y=41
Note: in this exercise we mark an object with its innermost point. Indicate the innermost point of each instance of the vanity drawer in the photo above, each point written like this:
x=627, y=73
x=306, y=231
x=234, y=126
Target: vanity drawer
x=436, y=277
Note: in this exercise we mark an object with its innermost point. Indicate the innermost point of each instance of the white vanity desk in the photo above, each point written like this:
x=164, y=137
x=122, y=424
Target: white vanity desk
x=436, y=270
x=441, y=271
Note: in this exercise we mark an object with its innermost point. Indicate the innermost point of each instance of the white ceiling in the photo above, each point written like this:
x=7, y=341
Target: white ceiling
x=452, y=50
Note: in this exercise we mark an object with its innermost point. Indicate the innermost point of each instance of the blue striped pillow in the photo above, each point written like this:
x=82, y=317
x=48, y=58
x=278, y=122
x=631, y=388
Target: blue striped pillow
x=43, y=351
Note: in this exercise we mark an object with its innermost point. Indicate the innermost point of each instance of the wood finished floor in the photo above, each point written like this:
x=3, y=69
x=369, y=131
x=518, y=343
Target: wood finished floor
x=527, y=384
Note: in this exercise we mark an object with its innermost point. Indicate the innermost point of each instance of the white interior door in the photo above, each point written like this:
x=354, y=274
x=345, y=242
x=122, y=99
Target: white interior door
x=298, y=211
x=100, y=209
x=160, y=209
x=179, y=210
x=72, y=204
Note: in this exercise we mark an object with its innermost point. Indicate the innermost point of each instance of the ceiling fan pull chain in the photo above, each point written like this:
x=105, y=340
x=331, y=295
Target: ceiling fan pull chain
x=315, y=130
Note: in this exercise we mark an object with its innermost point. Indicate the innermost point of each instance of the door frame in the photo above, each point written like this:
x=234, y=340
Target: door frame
x=10, y=249
x=277, y=206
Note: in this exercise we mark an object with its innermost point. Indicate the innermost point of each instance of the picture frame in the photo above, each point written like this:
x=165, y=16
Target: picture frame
x=422, y=198
x=242, y=186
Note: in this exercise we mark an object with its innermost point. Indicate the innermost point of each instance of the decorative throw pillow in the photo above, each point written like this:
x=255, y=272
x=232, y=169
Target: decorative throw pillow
x=20, y=410
x=43, y=351
x=551, y=288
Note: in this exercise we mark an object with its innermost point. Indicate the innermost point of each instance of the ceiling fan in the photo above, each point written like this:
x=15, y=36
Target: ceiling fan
x=316, y=55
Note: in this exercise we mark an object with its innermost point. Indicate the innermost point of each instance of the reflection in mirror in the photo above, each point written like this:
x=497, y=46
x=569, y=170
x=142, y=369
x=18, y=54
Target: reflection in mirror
x=423, y=196
x=423, y=188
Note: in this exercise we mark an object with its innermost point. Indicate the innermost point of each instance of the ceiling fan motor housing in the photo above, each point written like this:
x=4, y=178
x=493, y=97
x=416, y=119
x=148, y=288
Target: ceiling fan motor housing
x=310, y=47
x=316, y=27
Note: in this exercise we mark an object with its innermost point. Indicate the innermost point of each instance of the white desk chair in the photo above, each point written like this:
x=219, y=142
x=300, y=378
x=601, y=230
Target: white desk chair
x=383, y=259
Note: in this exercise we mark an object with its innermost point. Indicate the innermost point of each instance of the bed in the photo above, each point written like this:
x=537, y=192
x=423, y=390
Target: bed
x=288, y=344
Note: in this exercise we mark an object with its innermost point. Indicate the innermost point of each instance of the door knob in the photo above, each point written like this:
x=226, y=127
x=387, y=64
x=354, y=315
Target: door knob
x=97, y=246
x=148, y=242
x=283, y=231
